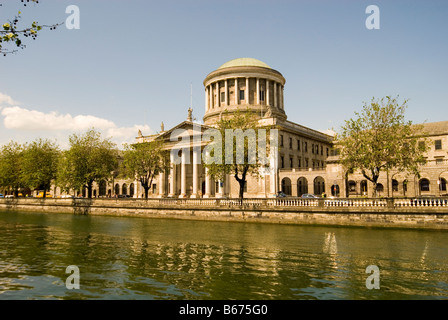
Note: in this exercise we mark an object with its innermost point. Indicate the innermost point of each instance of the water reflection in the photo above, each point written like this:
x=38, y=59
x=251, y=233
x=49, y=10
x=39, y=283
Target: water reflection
x=133, y=258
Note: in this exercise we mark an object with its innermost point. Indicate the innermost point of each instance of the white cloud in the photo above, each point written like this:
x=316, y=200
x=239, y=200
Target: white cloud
x=24, y=119
x=6, y=100
x=55, y=124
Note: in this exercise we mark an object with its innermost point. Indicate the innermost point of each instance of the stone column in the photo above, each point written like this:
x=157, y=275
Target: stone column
x=267, y=92
x=172, y=176
x=210, y=96
x=237, y=92
x=207, y=184
x=226, y=102
x=161, y=185
x=258, y=91
x=220, y=193
x=246, y=97
x=196, y=155
x=281, y=98
x=218, y=103
x=206, y=99
x=275, y=94
x=272, y=185
x=183, y=175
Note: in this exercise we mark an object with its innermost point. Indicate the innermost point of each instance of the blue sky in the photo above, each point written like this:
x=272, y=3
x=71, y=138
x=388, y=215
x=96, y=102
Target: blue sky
x=132, y=62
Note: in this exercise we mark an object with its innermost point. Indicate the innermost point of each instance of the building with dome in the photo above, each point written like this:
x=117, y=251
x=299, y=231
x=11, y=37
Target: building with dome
x=246, y=83
x=306, y=162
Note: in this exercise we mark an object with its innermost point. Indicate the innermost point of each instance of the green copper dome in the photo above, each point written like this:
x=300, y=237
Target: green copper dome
x=244, y=62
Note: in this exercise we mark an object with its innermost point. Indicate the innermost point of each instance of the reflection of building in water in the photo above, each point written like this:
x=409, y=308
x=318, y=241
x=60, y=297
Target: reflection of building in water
x=331, y=248
x=330, y=245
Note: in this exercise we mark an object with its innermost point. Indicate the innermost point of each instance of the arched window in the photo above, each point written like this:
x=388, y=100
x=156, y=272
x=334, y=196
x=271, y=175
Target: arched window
x=131, y=190
x=363, y=186
x=424, y=185
x=286, y=186
x=124, y=189
x=102, y=188
x=442, y=184
x=379, y=187
x=394, y=185
x=352, y=186
x=117, y=189
x=319, y=185
x=335, y=190
x=302, y=186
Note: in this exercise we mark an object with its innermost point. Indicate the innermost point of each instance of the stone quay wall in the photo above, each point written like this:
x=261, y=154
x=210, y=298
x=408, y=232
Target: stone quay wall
x=395, y=213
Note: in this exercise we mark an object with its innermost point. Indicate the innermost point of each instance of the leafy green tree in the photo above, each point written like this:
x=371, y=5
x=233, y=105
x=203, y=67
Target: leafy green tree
x=39, y=165
x=380, y=139
x=12, y=33
x=144, y=161
x=236, y=152
x=11, y=158
x=89, y=159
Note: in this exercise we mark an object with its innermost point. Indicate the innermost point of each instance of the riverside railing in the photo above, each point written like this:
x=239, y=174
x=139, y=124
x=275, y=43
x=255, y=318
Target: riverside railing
x=432, y=202
x=317, y=202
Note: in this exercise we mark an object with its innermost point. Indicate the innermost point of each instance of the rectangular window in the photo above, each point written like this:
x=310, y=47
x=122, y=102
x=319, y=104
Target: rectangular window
x=223, y=97
x=290, y=143
x=298, y=145
x=306, y=163
x=282, y=162
x=299, y=163
x=306, y=147
x=328, y=153
x=321, y=150
x=261, y=95
x=242, y=97
x=281, y=140
x=291, y=163
x=438, y=144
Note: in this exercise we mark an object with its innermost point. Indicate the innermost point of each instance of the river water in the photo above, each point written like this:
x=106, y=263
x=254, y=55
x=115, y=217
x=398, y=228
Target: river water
x=138, y=258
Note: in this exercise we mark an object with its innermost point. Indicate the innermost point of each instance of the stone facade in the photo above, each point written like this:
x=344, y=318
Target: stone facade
x=305, y=159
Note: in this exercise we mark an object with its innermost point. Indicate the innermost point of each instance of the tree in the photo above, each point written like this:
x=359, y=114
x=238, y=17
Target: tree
x=11, y=32
x=144, y=161
x=39, y=164
x=89, y=159
x=238, y=155
x=379, y=139
x=11, y=156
